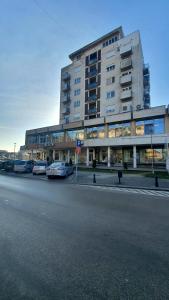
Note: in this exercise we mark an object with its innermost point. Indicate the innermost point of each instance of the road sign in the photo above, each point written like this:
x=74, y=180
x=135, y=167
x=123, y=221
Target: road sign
x=79, y=143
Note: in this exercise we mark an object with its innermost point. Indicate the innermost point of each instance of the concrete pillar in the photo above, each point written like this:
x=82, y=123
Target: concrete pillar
x=134, y=157
x=100, y=155
x=75, y=158
x=94, y=153
x=60, y=155
x=108, y=156
x=68, y=155
x=53, y=154
x=87, y=156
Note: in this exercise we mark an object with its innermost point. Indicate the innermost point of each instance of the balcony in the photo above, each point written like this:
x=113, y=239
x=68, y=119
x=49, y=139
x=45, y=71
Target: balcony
x=66, y=99
x=126, y=79
x=92, y=61
x=66, y=76
x=66, y=87
x=92, y=85
x=66, y=111
x=92, y=111
x=92, y=73
x=126, y=95
x=126, y=64
x=92, y=98
x=125, y=50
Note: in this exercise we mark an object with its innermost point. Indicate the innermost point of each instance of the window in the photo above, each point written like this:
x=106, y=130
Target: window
x=95, y=132
x=110, y=68
x=110, y=80
x=110, y=94
x=127, y=88
x=77, y=69
x=77, y=92
x=154, y=126
x=117, y=130
x=73, y=135
x=126, y=73
x=109, y=42
x=77, y=103
x=124, y=108
x=57, y=137
x=76, y=117
x=77, y=80
x=109, y=109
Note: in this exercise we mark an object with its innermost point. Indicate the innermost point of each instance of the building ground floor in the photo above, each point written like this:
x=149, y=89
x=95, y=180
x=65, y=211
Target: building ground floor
x=110, y=156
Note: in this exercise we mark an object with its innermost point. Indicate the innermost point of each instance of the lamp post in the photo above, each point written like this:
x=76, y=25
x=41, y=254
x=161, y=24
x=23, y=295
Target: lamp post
x=152, y=163
x=14, y=149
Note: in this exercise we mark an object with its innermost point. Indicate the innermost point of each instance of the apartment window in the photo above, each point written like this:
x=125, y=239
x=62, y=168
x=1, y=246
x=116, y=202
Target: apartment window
x=77, y=69
x=111, y=41
x=124, y=108
x=110, y=68
x=77, y=80
x=77, y=92
x=126, y=73
x=110, y=80
x=110, y=94
x=109, y=110
x=77, y=103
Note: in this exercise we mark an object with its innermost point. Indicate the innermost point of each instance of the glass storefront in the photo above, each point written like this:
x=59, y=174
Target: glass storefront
x=117, y=130
x=154, y=126
x=147, y=155
x=73, y=135
x=95, y=132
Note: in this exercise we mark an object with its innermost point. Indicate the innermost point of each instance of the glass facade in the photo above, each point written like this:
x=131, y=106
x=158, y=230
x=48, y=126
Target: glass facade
x=117, y=130
x=95, y=132
x=154, y=126
x=73, y=135
x=57, y=137
x=147, y=155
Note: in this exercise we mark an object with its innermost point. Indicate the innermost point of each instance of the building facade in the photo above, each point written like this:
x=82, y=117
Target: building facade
x=105, y=101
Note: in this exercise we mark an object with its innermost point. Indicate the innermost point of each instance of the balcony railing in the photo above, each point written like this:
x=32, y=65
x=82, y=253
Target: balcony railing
x=66, y=111
x=92, y=98
x=126, y=64
x=92, y=73
x=66, y=99
x=126, y=95
x=92, y=111
x=92, y=85
x=126, y=79
x=66, y=76
x=66, y=87
x=92, y=61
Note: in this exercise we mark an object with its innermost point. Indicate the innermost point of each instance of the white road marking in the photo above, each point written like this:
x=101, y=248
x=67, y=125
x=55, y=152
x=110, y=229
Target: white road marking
x=133, y=191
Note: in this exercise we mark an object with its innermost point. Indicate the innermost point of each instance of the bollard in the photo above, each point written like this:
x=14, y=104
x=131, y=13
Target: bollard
x=94, y=178
x=119, y=176
x=156, y=181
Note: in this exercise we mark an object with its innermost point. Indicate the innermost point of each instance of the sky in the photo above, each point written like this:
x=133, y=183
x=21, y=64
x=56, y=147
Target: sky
x=36, y=37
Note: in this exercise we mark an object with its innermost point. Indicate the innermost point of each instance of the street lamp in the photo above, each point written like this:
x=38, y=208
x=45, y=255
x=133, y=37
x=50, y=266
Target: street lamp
x=14, y=149
x=152, y=164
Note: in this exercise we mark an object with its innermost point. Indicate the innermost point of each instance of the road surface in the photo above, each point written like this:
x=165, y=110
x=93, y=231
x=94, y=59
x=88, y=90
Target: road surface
x=63, y=241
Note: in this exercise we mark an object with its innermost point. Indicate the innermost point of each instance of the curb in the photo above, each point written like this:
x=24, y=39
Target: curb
x=89, y=184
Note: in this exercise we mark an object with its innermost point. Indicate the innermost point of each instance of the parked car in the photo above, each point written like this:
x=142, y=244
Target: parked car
x=8, y=165
x=59, y=168
x=23, y=166
x=39, y=167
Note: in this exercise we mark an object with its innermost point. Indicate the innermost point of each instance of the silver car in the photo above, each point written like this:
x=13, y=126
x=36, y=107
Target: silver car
x=59, y=168
x=39, y=167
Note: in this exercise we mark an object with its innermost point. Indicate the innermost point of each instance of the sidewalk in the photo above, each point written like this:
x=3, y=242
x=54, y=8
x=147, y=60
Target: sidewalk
x=128, y=180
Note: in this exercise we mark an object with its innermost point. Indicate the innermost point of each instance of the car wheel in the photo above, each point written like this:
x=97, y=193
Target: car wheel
x=34, y=173
x=49, y=177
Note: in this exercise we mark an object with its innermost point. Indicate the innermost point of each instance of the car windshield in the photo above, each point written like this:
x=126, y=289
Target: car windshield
x=41, y=164
x=58, y=164
x=20, y=162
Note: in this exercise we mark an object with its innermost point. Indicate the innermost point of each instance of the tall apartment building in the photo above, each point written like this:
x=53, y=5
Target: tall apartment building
x=105, y=77
x=105, y=101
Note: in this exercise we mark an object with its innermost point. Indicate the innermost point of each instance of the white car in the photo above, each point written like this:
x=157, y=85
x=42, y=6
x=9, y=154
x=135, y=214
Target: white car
x=39, y=167
x=59, y=168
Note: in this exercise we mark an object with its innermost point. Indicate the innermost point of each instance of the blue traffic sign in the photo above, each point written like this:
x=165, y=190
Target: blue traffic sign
x=79, y=143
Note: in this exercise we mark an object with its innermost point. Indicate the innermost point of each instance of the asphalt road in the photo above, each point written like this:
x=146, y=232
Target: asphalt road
x=61, y=241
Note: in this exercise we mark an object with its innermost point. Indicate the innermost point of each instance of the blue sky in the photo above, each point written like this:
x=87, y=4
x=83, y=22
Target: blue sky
x=38, y=35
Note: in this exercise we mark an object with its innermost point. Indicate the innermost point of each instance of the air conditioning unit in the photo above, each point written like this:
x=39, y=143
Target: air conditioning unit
x=138, y=107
